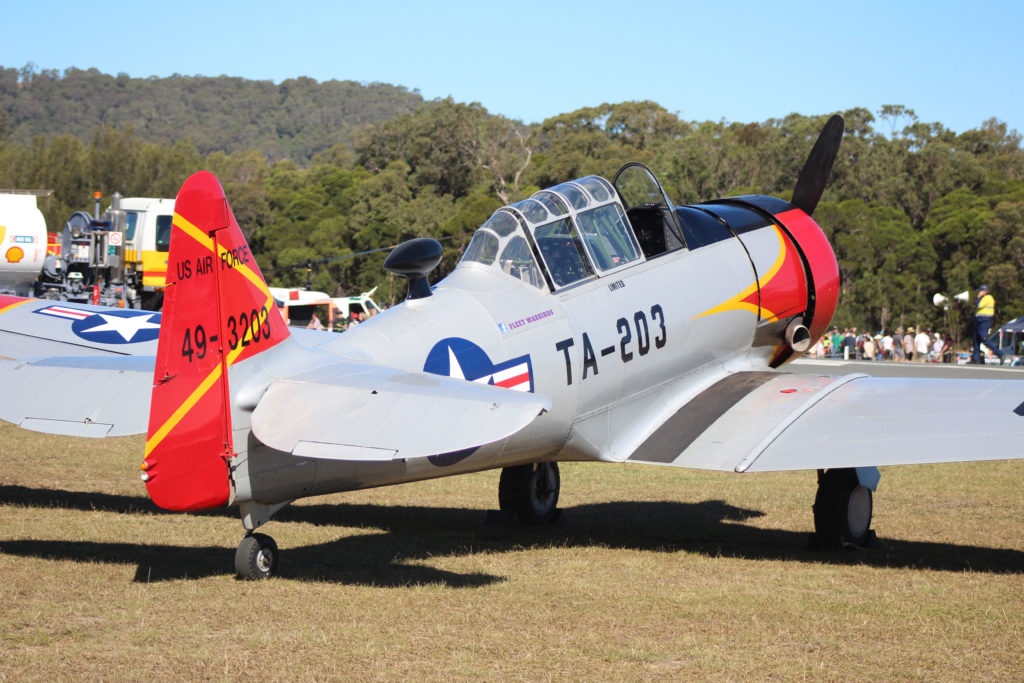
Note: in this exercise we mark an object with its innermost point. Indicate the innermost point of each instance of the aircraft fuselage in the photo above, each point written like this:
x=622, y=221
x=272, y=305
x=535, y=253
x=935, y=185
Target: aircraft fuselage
x=609, y=350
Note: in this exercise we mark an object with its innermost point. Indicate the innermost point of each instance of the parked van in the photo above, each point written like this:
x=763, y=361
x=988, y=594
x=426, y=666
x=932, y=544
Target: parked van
x=299, y=305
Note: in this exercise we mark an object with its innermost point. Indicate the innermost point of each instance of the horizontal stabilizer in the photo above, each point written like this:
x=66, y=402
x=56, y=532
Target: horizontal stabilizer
x=353, y=411
x=93, y=396
x=761, y=421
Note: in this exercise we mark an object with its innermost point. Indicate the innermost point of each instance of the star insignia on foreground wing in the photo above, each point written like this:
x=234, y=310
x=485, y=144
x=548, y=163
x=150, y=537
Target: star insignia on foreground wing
x=127, y=327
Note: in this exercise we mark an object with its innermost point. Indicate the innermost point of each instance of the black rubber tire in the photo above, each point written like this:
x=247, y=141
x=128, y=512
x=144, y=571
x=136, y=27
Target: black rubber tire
x=256, y=557
x=843, y=508
x=531, y=492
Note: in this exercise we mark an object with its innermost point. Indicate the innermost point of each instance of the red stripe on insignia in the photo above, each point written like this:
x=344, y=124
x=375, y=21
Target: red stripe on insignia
x=514, y=381
x=69, y=312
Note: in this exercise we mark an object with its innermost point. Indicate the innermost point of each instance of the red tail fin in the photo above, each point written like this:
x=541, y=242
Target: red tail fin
x=217, y=312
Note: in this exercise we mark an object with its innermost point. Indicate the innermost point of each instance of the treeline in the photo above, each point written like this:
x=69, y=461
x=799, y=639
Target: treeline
x=293, y=120
x=913, y=208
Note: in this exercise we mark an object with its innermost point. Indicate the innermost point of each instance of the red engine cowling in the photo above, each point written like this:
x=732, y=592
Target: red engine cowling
x=820, y=261
x=797, y=276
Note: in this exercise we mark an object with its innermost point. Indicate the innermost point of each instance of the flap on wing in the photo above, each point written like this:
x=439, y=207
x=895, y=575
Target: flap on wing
x=352, y=411
x=93, y=396
x=769, y=421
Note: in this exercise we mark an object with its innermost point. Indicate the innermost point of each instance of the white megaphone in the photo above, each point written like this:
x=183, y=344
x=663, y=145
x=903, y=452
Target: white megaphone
x=941, y=300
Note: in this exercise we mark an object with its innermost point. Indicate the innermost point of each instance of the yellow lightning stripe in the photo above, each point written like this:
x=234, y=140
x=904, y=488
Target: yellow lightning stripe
x=190, y=402
x=14, y=305
x=768, y=315
x=206, y=241
x=737, y=303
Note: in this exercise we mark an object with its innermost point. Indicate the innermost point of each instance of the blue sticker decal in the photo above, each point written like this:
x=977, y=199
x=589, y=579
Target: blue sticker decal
x=462, y=359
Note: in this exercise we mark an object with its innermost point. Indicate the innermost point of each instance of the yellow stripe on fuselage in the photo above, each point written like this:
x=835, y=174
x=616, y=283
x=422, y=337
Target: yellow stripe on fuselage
x=737, y=302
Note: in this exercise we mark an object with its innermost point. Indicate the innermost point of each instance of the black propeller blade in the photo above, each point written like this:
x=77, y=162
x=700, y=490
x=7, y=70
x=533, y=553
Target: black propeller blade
x=816, y=171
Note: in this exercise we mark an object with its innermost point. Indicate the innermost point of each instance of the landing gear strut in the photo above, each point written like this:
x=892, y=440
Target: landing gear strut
x=256, y=557
x=842, y=511
x=531, y=492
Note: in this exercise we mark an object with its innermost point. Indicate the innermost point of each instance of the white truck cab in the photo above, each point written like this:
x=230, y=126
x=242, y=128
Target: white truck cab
x=147, y=236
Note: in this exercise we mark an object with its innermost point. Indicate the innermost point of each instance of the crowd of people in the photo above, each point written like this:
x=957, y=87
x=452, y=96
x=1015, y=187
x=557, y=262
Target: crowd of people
x=341, y=322
x=904, y=345
x=921, y=346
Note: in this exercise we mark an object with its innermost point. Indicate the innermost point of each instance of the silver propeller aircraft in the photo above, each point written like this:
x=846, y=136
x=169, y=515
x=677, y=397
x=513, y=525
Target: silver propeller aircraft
x=594, y=321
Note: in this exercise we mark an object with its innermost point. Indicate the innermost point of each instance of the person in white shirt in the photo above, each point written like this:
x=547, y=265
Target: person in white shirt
x=922, y=345
x=869, y=347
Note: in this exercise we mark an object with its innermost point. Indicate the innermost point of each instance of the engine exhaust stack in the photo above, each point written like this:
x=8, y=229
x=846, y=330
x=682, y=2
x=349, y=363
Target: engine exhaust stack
x=798, y=336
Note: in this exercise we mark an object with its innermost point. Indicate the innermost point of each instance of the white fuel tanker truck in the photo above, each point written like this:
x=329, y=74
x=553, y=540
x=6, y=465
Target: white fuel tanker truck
x=22, y=243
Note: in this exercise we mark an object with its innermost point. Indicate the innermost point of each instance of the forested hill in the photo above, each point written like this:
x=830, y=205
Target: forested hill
x=316, y=171
x=294, y=120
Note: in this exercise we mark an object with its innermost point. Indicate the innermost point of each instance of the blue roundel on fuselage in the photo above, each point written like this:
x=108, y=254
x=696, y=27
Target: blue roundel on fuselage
x=462, y=359
x=472, y=361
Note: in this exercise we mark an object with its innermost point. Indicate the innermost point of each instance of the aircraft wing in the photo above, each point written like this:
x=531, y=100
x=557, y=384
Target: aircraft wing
x=76, y=369
x=94, y=396
x=354, y=411
x=33, y=328
x=762, y=421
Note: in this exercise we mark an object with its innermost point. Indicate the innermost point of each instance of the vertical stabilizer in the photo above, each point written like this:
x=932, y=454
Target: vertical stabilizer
x=217, y=312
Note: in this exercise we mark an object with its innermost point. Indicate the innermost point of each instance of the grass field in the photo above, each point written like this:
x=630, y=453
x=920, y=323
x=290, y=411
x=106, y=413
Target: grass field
x=653, y=573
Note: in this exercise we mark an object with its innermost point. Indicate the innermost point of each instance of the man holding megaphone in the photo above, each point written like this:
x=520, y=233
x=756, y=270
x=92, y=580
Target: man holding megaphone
x=986, y=308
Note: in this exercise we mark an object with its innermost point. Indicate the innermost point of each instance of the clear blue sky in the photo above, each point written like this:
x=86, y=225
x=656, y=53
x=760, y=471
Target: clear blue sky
x=957, y=63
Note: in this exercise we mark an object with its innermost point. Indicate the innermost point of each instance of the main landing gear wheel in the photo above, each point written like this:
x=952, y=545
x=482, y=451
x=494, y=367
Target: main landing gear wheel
x=256, y=557
x=842, y=511
x=531, y=492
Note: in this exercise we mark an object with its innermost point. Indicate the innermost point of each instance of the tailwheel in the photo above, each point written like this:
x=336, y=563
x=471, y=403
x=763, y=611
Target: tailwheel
x=256, y=557
x=531, y=492
x=842, y=511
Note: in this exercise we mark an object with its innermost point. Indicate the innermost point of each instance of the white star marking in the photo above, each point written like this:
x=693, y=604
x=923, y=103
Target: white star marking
x=455, y=369
x=126, y=327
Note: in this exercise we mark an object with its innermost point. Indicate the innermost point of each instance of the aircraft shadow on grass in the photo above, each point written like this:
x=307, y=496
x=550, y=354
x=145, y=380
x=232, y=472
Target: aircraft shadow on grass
x=413, y=534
